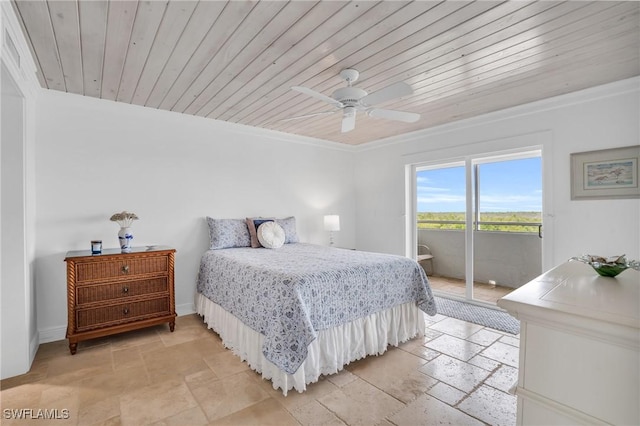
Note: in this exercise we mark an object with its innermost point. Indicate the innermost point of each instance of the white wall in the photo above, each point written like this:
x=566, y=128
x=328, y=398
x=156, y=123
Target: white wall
x=96, y=158
x=594, y=119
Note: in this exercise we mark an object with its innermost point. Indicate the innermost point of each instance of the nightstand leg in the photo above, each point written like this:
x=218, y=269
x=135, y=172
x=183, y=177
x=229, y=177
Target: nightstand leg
x=172, y=326
x=73, y=347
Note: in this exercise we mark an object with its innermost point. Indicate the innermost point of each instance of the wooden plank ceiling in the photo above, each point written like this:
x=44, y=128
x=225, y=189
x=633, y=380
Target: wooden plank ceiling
x=236, y=61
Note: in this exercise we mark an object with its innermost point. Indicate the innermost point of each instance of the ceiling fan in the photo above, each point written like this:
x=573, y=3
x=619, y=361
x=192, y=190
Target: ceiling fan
x=352, y=99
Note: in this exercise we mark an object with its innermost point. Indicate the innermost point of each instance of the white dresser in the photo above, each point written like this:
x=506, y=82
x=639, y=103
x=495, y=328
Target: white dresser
x=579, y=347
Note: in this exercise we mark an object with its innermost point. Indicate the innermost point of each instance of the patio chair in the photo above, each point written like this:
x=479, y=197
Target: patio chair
x=424, y=256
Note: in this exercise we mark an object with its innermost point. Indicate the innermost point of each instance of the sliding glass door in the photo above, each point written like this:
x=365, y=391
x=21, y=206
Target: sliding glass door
x=481, y=221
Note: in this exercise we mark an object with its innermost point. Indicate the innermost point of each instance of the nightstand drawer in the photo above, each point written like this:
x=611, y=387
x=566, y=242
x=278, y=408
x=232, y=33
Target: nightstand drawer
x=121, y=290
x=126, y=267
x=121, y=313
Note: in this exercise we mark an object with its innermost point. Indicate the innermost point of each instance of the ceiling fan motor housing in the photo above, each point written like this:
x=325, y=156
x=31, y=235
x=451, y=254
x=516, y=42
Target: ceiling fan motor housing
x=349, y=96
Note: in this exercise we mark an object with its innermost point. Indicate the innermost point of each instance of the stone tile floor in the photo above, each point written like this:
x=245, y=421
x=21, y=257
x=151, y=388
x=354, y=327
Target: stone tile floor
x=458, y=374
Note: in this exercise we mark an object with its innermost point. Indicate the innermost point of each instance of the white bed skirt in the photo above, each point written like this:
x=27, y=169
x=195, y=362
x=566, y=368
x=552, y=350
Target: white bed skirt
x=329, y=353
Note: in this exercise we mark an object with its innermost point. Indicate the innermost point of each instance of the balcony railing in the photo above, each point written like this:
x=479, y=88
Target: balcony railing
x=478, y=225
x=509, y=258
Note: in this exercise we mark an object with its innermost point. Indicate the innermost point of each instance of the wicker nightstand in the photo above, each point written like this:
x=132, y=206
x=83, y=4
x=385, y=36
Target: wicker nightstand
x=114, y=292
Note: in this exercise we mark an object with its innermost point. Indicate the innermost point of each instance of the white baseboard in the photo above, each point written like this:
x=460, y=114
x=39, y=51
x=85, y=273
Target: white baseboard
x=186, y=309
x=54, y=334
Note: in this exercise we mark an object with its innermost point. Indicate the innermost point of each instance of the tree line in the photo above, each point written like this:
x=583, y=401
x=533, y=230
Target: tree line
x=514, y=217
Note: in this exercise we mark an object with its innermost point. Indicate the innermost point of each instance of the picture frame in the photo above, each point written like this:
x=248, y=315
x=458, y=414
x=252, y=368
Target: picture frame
x=606, y=174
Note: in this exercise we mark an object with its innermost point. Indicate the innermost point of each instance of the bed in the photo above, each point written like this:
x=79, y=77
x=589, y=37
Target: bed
x=299, y=311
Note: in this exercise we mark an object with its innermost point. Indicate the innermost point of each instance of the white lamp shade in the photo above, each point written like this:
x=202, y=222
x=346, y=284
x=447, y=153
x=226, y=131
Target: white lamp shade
x=332, y=222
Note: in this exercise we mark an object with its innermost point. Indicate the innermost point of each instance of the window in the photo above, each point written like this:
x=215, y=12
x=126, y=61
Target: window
x=507, y=194
x=441, y=197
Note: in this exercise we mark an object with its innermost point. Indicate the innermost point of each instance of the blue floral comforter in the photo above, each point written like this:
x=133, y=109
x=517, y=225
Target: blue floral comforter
x=290, y=293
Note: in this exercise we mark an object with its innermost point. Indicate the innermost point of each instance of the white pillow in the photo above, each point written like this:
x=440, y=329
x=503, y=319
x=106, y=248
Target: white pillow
x=270, y=235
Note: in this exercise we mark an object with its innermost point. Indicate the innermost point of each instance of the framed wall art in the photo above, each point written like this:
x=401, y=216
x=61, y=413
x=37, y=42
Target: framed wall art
x=605, y=174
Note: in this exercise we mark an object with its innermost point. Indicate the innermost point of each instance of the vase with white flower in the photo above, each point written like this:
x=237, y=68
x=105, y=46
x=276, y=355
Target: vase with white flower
x=124, y=219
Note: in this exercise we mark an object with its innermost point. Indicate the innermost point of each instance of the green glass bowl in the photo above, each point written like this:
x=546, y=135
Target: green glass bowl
x=608, y=267
x=607, y=270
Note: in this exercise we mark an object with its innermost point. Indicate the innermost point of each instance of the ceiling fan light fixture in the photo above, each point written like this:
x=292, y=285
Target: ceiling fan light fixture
x=349, y=111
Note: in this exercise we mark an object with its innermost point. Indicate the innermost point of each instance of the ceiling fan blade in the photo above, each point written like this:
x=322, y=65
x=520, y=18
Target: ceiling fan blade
x=396, y=90
x=389, y=114
x=348, y=119
x=298, y=117
x=317, y=95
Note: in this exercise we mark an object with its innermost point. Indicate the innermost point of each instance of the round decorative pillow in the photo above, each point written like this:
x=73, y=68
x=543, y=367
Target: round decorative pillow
x=270, y=235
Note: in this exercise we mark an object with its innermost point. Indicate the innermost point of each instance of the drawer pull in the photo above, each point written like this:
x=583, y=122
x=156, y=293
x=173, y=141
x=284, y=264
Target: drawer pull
x=125, y=269
x=125, y=311
x=125, y=290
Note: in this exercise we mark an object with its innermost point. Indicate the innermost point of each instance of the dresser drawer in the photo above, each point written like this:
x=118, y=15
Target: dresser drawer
x=120, y=290
x=123, y=267
x=122, y=312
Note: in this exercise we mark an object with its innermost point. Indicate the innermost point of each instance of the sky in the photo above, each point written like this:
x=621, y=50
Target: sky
x=505, y=186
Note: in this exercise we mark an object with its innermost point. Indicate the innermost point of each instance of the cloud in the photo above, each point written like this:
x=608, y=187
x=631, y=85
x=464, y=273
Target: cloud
x=508, y=198
x=510, y=202
x=440, y=199
x=428, y=189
